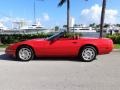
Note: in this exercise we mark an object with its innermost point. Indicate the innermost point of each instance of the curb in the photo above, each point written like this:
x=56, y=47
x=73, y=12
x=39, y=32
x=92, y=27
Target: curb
x=116, y=50
x=2, y=49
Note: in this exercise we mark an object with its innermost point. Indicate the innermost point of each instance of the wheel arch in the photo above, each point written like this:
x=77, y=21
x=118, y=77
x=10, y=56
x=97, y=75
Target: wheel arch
x=97, y=52
x=27, y=46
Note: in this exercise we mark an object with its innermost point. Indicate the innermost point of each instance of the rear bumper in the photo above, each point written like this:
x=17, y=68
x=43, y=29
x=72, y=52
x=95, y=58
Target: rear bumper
x=105, y=50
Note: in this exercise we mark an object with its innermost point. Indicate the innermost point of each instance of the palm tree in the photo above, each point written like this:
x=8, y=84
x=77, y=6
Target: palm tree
x=68, y=11
x=102, y=17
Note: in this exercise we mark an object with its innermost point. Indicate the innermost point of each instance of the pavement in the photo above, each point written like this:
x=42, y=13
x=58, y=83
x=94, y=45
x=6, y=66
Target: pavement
x=2, y=49
x=116, y=50
x=60, y=74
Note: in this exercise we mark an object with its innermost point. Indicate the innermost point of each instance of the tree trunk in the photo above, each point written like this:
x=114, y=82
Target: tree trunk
x=68, y=16
x=102, y=17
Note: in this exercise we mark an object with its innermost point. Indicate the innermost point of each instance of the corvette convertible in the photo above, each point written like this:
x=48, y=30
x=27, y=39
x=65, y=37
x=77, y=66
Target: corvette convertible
x=85, y=49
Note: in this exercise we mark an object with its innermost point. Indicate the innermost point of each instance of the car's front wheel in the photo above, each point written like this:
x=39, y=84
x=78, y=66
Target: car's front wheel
x=25, y=53
x=88, y=54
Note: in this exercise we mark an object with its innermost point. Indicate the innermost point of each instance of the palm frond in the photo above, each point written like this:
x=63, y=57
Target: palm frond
x=61, y=2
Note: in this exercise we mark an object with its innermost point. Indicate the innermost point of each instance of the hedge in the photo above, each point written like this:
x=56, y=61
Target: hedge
x=115, y=38
x=8, y=39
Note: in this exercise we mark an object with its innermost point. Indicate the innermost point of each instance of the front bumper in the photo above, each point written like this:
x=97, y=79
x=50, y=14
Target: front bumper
x=10, y=52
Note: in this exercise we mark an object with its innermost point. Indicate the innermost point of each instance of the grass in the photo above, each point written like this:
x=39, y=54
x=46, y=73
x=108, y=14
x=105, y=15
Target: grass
x=117, y=46
x=3, y=46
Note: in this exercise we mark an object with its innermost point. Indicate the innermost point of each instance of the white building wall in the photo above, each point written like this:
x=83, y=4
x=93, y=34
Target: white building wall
x=72, y=21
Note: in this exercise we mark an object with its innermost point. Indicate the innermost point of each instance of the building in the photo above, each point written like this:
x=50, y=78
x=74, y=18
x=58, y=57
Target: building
x=72, y=21
x=113, y=29
x=78, y=28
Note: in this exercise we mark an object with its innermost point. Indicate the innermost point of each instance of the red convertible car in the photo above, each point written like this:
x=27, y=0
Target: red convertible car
x=86, y=49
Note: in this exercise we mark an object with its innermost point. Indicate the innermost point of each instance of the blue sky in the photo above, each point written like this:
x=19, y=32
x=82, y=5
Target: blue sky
x=51, y=15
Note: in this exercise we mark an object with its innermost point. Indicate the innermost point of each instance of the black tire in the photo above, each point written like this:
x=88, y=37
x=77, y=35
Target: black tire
x=87, y=54
x=24, y=53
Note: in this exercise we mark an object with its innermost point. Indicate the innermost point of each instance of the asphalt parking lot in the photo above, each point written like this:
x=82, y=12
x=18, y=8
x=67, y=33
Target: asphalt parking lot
x=60, y=74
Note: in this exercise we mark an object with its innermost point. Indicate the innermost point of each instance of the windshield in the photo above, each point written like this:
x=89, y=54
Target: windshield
x=57, y=35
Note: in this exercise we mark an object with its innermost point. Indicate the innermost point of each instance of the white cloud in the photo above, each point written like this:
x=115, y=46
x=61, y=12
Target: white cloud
x=46, y=17
x=5, y=19
x=93, y=14
x=8, y=19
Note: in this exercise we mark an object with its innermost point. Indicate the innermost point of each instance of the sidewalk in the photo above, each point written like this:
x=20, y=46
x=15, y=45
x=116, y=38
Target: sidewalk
x=2, y=49
x=114, y=50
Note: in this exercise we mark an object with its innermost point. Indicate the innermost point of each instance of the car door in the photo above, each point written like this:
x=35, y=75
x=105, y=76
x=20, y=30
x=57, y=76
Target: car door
x=60, y=47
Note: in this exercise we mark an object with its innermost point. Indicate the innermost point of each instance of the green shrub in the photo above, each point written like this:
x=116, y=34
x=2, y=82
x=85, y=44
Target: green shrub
x=115, y=38
x=67, y=35
x=8, y=39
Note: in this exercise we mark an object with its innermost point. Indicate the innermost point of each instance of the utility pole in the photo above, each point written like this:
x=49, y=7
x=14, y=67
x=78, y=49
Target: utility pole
x=102, y=17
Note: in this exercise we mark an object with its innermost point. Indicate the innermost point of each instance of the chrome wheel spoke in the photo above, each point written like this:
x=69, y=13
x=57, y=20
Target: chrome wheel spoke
x=88, y=54
x=25, y=53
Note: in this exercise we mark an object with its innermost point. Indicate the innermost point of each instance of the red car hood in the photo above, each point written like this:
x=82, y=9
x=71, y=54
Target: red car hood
x=28, y=41
x=39, y=39
x=33, y=40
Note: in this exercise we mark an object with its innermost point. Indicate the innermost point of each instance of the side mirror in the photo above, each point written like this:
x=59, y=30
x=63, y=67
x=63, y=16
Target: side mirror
x=52, y=41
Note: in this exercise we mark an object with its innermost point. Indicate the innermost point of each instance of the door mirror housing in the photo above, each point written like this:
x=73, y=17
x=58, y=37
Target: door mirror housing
x=53, y=40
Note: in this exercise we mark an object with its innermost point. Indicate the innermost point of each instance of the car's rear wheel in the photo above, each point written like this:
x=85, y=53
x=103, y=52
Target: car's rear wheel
x=25, y=53
x=87, y=54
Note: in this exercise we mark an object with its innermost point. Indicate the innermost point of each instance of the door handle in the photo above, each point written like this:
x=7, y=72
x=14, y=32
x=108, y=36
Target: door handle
x=74, y=42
